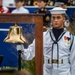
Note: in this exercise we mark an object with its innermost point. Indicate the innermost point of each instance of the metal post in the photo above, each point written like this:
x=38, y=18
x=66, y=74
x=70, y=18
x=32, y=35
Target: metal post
x=19, y=60
x=19, y=48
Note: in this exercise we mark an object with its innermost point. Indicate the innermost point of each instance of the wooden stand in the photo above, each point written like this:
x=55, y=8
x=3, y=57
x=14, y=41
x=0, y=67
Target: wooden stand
x=38, y=21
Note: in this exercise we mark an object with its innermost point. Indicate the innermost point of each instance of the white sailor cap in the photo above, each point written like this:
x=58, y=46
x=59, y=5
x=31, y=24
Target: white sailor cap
x=58, y=10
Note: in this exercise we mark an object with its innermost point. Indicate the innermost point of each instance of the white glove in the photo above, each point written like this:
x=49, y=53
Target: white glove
x=20, y=47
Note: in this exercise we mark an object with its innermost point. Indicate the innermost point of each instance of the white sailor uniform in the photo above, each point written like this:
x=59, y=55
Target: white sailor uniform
x=57, y=57
x=59, y=54
x=20, y=10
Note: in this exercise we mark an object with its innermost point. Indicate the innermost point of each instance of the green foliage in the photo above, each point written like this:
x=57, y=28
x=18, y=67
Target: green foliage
x=29, y=65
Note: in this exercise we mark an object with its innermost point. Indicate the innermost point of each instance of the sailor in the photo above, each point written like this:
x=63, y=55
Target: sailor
x=58, y=47
x=19, y=7
x=43, y=10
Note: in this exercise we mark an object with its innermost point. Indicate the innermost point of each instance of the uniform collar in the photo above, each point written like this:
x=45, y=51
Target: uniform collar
x=57, y=32
x=52, y=34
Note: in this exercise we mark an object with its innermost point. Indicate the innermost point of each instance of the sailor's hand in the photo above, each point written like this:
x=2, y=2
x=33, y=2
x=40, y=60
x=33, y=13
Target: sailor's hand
x=20, y=47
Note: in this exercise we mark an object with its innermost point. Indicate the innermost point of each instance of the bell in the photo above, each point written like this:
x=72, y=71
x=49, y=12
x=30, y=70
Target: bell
x=15, y=35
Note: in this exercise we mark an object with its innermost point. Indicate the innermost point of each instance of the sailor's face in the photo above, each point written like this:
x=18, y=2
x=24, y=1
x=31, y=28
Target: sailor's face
x=19, y=4
x=41, y=4
x=58, y=21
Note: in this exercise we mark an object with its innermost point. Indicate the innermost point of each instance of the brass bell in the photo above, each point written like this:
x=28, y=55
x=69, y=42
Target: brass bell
x=15, y=35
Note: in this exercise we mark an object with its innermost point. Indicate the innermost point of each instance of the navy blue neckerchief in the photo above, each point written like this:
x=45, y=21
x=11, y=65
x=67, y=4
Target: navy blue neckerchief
x=56, y=42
